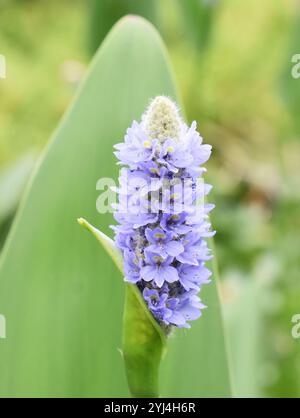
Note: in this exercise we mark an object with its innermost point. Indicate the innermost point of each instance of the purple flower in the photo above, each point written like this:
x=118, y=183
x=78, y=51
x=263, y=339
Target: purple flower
x=124, y=239
x=175, y=155
x=178, y=197
x=163, y=220
x=136, y=147
x=159, y=269
x=156, y=302
x=190, y=307
x=136, y=219
x=172, y=315
x=132, y=266
x=175, y=223
x=136, y=183
x=173, y=311
x=193, y=277
x=195, y=250
x=153, y=169
x=161, y=242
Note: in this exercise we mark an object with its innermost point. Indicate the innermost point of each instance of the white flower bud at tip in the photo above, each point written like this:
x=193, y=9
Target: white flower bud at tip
x=161, y=120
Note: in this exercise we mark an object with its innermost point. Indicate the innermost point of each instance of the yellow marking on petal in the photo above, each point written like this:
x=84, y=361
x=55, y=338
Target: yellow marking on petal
x=147, y=144
x=154, y=170
x=160, y=235
x=158, y=258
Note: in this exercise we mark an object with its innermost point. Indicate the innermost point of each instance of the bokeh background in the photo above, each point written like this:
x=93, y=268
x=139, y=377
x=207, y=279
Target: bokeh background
x=233, y=64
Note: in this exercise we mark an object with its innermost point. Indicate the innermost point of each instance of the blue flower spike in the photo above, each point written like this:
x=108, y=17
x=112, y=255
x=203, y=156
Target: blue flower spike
x=162, y=214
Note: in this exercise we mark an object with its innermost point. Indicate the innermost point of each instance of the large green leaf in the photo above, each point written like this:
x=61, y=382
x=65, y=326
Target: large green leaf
x=61, y=295
x=245, y=319
x=12, y=183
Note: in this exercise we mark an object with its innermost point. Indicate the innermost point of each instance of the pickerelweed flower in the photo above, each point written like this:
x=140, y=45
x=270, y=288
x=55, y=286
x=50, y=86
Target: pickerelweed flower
x=162, y=216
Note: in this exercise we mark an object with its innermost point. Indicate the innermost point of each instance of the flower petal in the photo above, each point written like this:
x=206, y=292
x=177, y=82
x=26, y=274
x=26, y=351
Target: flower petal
x=174, y=248
x=148, y=273
x=168, y=274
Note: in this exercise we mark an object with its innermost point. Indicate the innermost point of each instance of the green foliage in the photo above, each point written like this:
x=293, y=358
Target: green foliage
x=103, y=14
x=12, y=183
x=44, y=49
x=197, y=17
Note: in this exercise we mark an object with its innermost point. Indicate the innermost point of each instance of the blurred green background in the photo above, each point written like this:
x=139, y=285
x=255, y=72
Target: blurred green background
x=233, y=63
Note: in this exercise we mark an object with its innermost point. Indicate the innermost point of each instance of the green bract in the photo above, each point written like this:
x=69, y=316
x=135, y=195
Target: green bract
x=144, y=342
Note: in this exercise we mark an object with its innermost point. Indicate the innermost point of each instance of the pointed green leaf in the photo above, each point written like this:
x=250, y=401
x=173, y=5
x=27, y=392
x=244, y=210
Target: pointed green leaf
x=106, y=242
x=143, y=340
